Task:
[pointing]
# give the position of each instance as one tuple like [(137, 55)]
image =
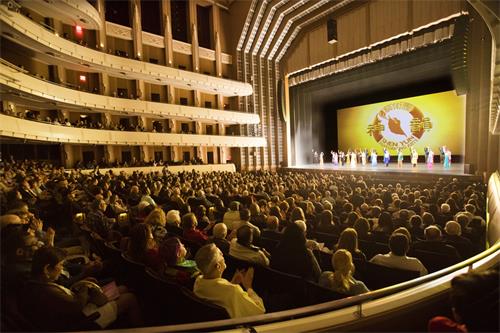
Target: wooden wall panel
[(387, 20), (323, 49), (351, 32), (363, 25), (427, 11), (299, 57)]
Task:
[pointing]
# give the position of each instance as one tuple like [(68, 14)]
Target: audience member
[(212, 287)]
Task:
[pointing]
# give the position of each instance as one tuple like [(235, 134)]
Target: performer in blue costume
[(387, 157)]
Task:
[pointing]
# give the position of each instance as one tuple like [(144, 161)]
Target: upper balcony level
[(17, 83), (72, 12), (32, 130), (28, 33)]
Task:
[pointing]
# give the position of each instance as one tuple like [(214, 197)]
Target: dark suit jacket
[(438, 247)]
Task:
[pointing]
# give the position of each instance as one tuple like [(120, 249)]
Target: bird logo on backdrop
[(399, 125)]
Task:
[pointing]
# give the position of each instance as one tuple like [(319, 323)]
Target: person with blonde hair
[(348, 240), (341, 280), (157, 221)]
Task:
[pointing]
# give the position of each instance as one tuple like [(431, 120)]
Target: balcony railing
[(23, 30), (40, 131), (21, 81)]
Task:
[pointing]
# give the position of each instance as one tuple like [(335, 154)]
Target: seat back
[(268, 243), (329, 239), (324, 260), (205, 310), (233, 264), (371, 248), (279, 290), (433, 261), (317, 294), (378, 276), (161, 296), (133, 272)]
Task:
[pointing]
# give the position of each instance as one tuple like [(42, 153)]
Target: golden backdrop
[(429, 120)]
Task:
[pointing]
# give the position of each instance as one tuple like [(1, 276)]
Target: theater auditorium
[(250, 165)]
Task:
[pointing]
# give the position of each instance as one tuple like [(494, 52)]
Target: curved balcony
[(22, 30), (16, 81), (32, 130), (71, 12)]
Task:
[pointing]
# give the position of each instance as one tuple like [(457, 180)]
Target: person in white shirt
[(232, 216), (241, 247), (213, 288), (399, 245)]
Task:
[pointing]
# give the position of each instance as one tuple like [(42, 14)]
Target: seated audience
[(218, 237), (51, 306), (348, 240), (454, 238), (342, 281), (191, 233), (232, 215), (142, 246), (177, 267), (272, 229), (434, 243), (242, 248), (173, 222), (244, 220), (212, 287), (293, 257), (399, 245), (157, 221)]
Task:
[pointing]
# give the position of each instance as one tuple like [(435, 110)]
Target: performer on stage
[(348, 157), (400, 158), (374, 158), (354, 159), (426, 153), (363, 157), (442, 152), (447, 158), (321, 158), (414, 157), (430, 158), (341, 158), (335, 158), (387, 157), (315, 157)]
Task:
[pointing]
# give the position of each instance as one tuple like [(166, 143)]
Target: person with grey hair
[(434, 243), (219, 233), (454, 238), (228, 294)]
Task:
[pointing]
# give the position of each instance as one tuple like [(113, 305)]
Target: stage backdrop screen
[(429, 120)]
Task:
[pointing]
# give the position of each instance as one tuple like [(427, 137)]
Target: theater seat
[(378, 276), (317, 294), (280, 291), (433, 261)]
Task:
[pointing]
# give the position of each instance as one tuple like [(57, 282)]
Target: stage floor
[(456, 169)]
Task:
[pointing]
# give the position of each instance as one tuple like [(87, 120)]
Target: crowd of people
[(185, 226)]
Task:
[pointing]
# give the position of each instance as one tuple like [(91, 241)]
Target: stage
[(408, 172)]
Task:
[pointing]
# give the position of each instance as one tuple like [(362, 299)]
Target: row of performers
[(352, 158)]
